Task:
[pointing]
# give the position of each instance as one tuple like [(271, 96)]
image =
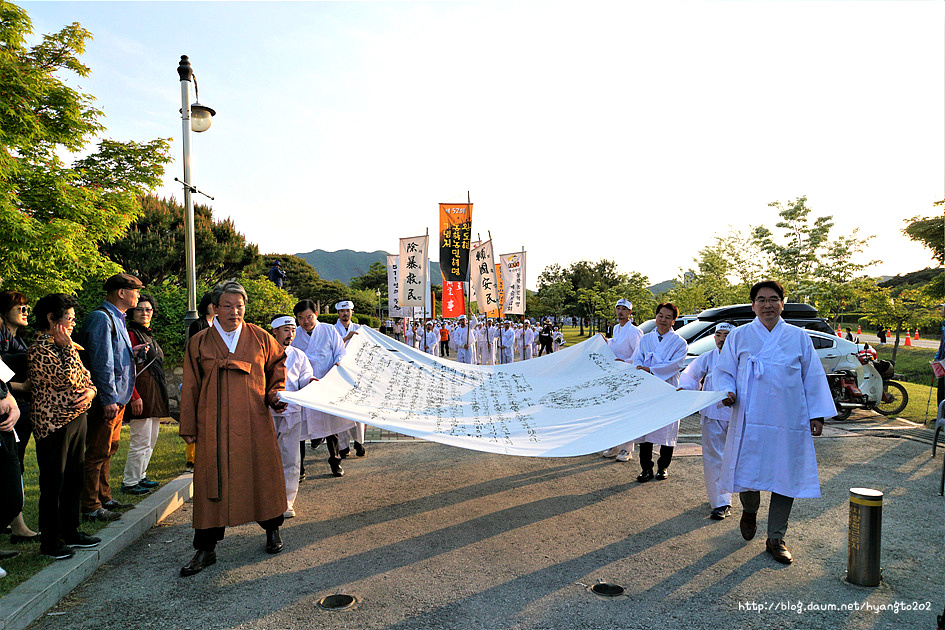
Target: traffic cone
[(908, 339), (859, 329), (916, 334), (888, 333), (839, 334)]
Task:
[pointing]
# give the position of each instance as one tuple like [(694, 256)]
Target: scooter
[(869, 387)]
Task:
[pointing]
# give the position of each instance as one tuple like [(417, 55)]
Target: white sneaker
[(3, 573), (611, 452), (289, 513), (624, 456)]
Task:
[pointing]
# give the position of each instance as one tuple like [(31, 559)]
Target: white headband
[(724, 327), (624, 302), (279, 322), (344, 304)]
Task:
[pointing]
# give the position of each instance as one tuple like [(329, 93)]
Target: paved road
[(428, 536)]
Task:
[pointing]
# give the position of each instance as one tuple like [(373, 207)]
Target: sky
[(633, 131)]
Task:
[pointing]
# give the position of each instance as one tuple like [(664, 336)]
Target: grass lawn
[(167, 462), (911, 362)]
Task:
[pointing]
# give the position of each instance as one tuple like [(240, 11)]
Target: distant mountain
[(345, 264), (662, 287)]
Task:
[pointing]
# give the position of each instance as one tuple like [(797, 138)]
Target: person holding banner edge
[(624, 341)]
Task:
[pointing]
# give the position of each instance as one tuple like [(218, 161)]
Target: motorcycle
[(869, 386)]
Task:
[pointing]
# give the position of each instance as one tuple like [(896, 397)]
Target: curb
[(31, 599)]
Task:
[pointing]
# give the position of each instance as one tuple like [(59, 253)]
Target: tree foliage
[(153, 246), (54, 216)]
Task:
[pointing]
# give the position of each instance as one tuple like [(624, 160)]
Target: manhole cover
[(337, 602), (607, 590)]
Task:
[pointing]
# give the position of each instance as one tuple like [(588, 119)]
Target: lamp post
[(194, 117), (377, 292)]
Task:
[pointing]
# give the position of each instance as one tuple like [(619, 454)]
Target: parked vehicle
[(868, 386), (835, 354)]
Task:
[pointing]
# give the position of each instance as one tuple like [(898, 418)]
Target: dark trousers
[(101, 442), (444, 348), (646, 456), (60, 456), (331, 442), (207, 539), (24, 429), (940, 391)]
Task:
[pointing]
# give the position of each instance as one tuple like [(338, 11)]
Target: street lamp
[(377, 292), (194, 117)]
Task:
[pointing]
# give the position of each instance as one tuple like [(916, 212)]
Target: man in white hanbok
[(461, 342), (715, 419), (288, 422), (430, 340), (322, 344), (779, 396), (662, 353), (483, 345), (348, 329), (624, 341), (526, 338), (506, 343)]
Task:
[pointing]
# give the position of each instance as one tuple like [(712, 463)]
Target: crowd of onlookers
[(70, 391)]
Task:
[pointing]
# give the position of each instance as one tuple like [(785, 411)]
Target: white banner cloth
[(572, 402), (513, 281), (412, 271)]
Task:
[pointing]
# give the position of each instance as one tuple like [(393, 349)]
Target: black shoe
[(661, 474), (359, 449), (102, 515), (301, 477), (135, 489), (16, 540), (59, 553), (336, 468), (189, 467), (112, 504), (273, 541), (645, 476), (775, 546), (316, 442), (344, 452), (748, 525), (201, 560), (4, 555), (720, 513), (148, 483), (81, 539)]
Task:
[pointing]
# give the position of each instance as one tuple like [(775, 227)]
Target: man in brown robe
[(232, 371)]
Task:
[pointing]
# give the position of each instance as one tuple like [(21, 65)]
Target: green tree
[(54, 216), (909, 309), (795, 259), (153, 246), (930, 231), (375, 279), (301, 279)]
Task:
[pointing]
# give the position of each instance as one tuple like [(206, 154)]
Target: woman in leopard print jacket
[(62, 393)]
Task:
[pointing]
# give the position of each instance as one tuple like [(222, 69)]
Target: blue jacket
[(108, 347)]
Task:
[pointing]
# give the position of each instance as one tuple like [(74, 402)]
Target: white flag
[(393, 287), (412, 271), (513, 280), (482, 277)]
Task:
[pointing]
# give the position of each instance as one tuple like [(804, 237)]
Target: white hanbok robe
[(460, 337), (409, 337), (779, 385), (715, 421), (506, 345), (526, 339), (343, 332), (624, 342), (288, 422), (483, 346), (558, 340), (324, 348), (430, 342), (665, 359), (358, 426)]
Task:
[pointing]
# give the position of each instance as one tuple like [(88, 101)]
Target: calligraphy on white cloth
[(573, 402)]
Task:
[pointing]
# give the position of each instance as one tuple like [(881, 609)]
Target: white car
[(835, 353)]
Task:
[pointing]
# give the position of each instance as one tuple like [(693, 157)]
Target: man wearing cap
[(506, 343), (483, 347), (715, 419), (288, 421), (779, 396), (624, 341), (348, 329), (110, 359), (526, 337), (460, 341), (324, 348), (276, 275), (429, 339)]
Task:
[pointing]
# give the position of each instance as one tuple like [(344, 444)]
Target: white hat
[(624, 302), (724, 327), (344, 304), (463, 316), (279, 322)]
